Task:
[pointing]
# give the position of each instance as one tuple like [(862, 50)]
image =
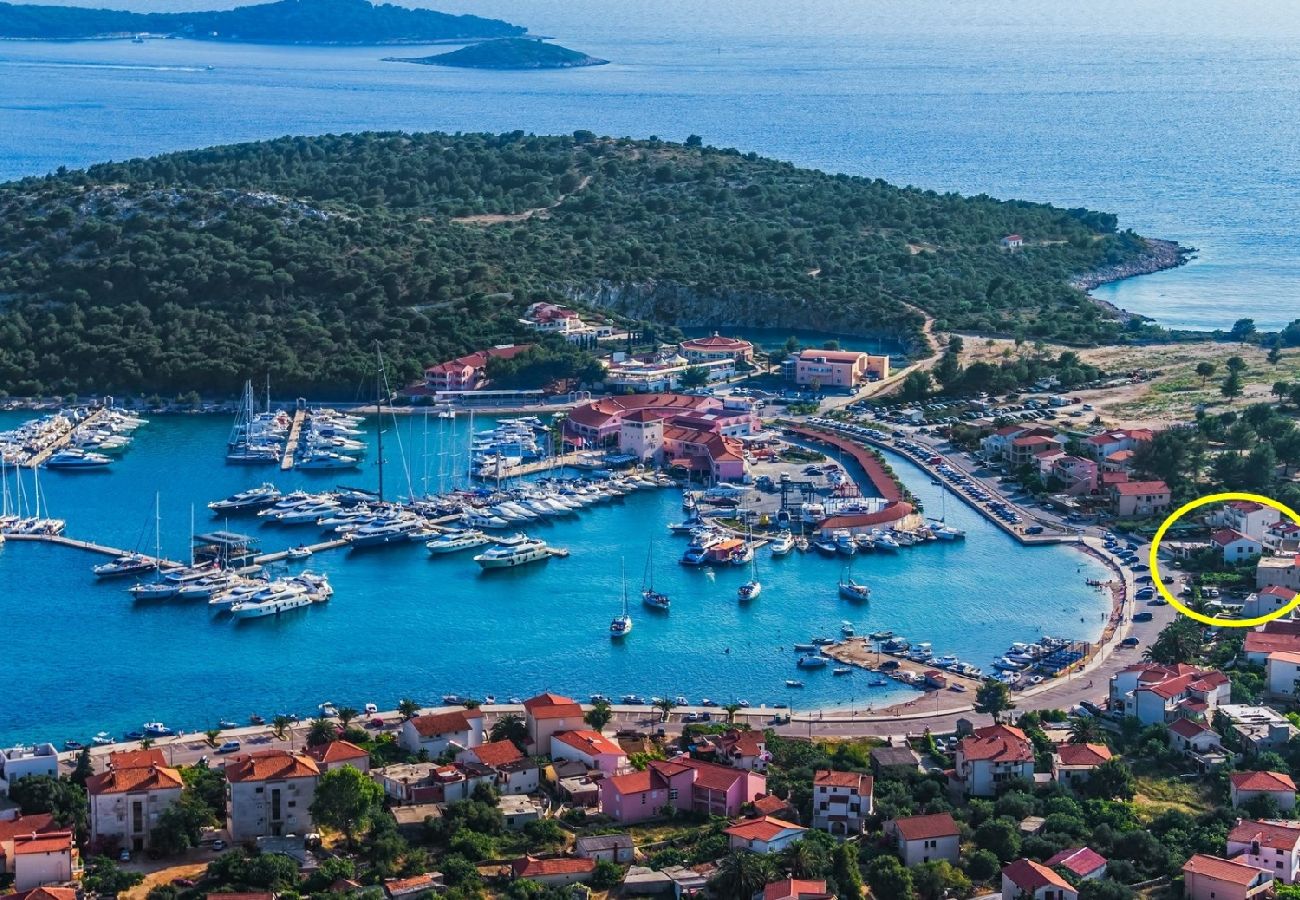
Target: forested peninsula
[(282, 22), (192, 270), (509, 53)]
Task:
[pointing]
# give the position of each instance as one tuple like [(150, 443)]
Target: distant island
[(508, 53), (285, 22)]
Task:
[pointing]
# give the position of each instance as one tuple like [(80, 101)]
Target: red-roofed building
[(842, 801), (772, 805), (1282, 537), (1078, 475), (680, 783), (1073, 764), (862, 523), (765, 835), (743, 749), (1235, 546), (126, 800), (591, 748), (1025, 448), (1154, 694), (45, 893), (38, 823), (1208, 877), (1109, 443), (269, 793), (796, 889), (1083, 863), (923, 839), (1012, 242), (546, 715), (458, 729), (45, 858), (1261, 644), (554, 872), (1197, 741), (429, 882), (468, 373), (714, 347), (990, 756), (1024, 879), (1267, 600), (1248, 517), (340, 753), (1246, 786), (1271, 846), (1139, 498), (515, 773)]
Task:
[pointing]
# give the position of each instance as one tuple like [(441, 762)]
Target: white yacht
[(324, 460), (516, 550), (275, 598), (384, 531), (254, 498), (72, 458), (782, 544), (455, 541)]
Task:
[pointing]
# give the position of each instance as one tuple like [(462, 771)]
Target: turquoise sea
[(404, 624), (1181, 117)]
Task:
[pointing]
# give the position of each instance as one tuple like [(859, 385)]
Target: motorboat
[(155, 729), (324, 460), (479, 519), (793, 683), (455, 541), (846, 629), (845, 543), (813, 661), (274, 599), (302, 551), (516, 550), (254, 498), (782, 544), (805, 648), (842, 670), (71, 458), (102, 739), (383, 532), (881, 635), (129, 564)]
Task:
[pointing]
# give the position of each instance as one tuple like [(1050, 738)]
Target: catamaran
[(621, 624), (649, 596)]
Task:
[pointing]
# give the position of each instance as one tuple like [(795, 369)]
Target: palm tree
[(408, 709), (1084, 731), (471, 703), (742, 874), (321, 731), (731, 710), (280, 726), (146, 743), (211, 735), (512, 727), (346, 714), (599, 715), (665, 706), (800, 860)]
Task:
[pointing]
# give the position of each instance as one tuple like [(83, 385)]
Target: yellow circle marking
[(1196, 504)]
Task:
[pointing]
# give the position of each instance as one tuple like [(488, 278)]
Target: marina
[(703, 642)]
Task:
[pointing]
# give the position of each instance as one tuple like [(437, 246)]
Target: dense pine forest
[(195, 270)]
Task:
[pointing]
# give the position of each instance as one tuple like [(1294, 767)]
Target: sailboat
[(622, 624), (649, 596), (159, 588), (851, 590), (752, 588), (940, 527)]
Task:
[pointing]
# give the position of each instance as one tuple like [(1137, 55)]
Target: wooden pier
[(39, 457), (291, 445), (530, 468), (860, 652), (89, 546)]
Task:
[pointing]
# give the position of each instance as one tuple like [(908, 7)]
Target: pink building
[(591, 748), (1079, 475), (682, 783), (466, 373), (838, 368), (715, 347)]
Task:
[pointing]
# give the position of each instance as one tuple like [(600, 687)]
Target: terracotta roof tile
[(496, 753), (1262, 781), (854, 780), (46, 893), (1083, 754), (1079, 861), (37, 823), (1222, 869), (528, 867), (131, 780), (337, 752), (1029, 876), (590, 743), (918, 828), (997, 743), (763, 829), (134, 759), (271, 765), (438, 724), (50, 842), (1274, 835), (795, 889)]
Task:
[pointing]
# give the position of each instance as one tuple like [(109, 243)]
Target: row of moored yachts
[(86, 438)]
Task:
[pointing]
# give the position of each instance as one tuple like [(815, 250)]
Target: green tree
[(846, 873), (84, 768), (887, 877), (1205, 370), (1106, 889), (212, 737), (665, 706), (916, 386), (939, 879), (105, 877), (321, 732), (606, 875), (694, 377), (599, 715), (346, 800), (1232, 386), (1001, 837), (280, 726), (1235, 364), (1112, 780), (510, 727), (60, 797), (741, 874), (993, 698), (1243, 329), (1178, 642), (1084, 730), (180, 826), (408, 709), (347, 715), (982, 865)]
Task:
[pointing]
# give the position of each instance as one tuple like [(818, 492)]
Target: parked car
[(1129, 642), (1142, 617), (231, 746)]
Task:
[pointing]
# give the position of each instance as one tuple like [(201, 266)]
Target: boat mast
[(157, 531), (379, 416)]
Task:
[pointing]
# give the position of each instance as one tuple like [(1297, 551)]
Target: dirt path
[(190, 870), (499, 218)]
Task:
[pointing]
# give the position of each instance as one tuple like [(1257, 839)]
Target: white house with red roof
[(21, 826), (126, 800), (1155, 694), (554, 872), (1197, 741), (923, 839), (1208, 877), (1280, 635), (270, 792), (1024, 879), (1139, 498), (1083, 863), (842, 801), (515, 773), (796, 889), (1267, 600), (1073, 764), (437, 733), (547, 714), (1078, 475), (1025, 447), (990, 756), (40, 859), (716, 347), (997, 444), (1249, 517), (1246, 786), (1234, 546), (1282, 672), (336, 754), (743, 749), (1102, 446), (591, 748), (45, 892), (469, 372), (1271, 846), (1012, 242), (1282, 537), (763, 835), (549, 318)]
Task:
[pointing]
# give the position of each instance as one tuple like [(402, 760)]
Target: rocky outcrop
[(1159, 255), (686, 306)]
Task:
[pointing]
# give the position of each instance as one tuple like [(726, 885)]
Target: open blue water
[(1180, 118), (402, 623)]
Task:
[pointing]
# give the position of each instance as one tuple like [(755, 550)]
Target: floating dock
[(291, 445), (62, 541), (530, 468)]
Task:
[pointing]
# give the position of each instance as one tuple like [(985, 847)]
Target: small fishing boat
[(877, 682), (842, 670), (805, 648), (881, 635), (102, 739), (813, 661), (302, 551), (793, 683), (846, 629)]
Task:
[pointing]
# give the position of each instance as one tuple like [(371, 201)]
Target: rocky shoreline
[(1160, 255)]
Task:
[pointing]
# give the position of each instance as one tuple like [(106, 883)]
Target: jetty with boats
[(82, 438)]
